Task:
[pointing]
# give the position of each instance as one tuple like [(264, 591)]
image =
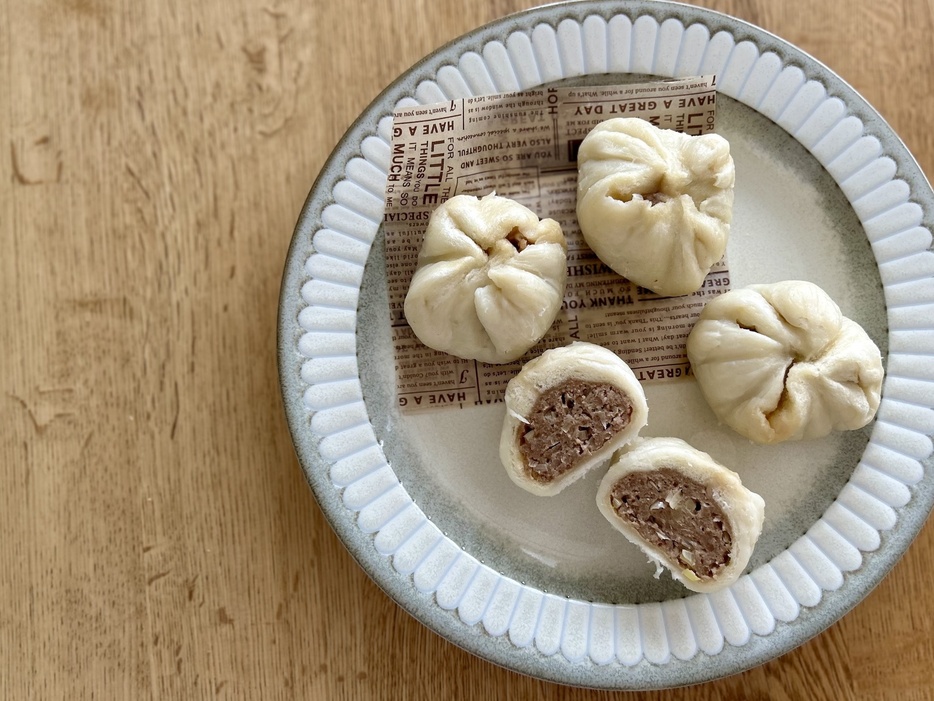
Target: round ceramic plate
[(824, 192)]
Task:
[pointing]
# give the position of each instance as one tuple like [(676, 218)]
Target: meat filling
[(679, 516), (569, 423)]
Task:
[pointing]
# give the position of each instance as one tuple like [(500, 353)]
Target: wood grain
[(159, 539)]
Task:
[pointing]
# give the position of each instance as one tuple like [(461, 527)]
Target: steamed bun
[(780, 362), (686, 511), (490, 279), (566, 412), (654, 204)]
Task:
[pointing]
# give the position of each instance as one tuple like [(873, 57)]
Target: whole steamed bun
[(654, 204), (780, 362), (490, 279)]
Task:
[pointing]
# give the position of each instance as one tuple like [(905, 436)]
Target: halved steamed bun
[(567, 411), (686, 511)]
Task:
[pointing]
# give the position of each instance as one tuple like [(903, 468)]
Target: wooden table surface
[(158, 537)]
